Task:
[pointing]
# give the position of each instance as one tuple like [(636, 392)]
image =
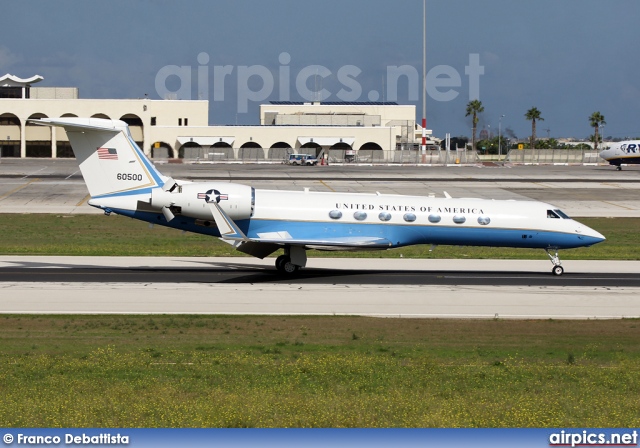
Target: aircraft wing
[(342, 242), (268, 242), (265, 245)]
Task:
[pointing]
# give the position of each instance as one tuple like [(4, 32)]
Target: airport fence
[(381, 157), (333, 156), (553, 156)]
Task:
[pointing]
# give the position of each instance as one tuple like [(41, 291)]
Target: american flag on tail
[(107, 154)]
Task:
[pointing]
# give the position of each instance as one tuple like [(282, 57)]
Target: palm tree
[(595, 121), (474, 108), (533, 114)]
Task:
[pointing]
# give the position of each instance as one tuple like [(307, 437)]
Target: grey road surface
[(448, 289)]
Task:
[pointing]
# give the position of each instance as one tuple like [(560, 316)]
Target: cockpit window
[(561, 213), (552, 214)]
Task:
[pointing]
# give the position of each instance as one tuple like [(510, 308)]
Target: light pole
[(423, 147), (500, 136)]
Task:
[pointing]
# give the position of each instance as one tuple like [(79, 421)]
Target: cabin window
[(484, 220), (360, 216), (563, 215), (459, 219), (409, 217), (384, 216), (552, 214), (434, 218), (335, 214)]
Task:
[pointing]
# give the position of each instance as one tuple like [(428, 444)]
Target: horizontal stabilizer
[(81, 124)]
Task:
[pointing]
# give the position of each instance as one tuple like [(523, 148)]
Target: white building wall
[(380, 126), (387, 113), (166, 113), (267, 136)]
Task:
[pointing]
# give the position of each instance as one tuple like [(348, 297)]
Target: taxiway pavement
[(56, 186)]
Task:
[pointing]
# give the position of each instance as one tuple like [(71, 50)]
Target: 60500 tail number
[(129, 176)]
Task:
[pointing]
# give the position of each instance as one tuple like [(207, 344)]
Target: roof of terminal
[(13, 81)]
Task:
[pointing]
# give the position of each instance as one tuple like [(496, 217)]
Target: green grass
[(239, 371), (35, 234)]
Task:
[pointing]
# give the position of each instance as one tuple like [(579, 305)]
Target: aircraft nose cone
[(589, 232)]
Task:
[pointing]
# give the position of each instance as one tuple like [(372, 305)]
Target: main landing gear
[(294, 258), (557, 264), (284, 265)]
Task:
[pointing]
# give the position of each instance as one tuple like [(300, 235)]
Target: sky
[(568, 58)]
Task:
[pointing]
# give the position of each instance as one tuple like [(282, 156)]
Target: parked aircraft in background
[(258, 222), (622, 152)]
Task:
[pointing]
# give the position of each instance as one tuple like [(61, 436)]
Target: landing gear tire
[(280, 262), (284, 265), (555, 259), (619, 168)]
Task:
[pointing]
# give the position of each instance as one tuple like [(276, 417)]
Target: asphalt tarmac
[(521, 289), (419, 288)]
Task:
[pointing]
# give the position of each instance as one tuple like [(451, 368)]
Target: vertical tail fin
[(110, 161)]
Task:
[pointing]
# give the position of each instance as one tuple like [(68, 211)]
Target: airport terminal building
[(180, 129)]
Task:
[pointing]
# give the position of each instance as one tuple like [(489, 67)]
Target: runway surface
[(377, 287), (245, 272)]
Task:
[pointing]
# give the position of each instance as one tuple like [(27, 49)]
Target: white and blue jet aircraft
[(627, 152), (258, 222)]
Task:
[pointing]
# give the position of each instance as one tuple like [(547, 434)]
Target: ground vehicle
[(301, 159)]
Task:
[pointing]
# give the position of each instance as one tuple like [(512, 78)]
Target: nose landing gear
[(557, 264)]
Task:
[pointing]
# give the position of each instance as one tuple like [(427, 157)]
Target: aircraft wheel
[(289, 268), (280, 261), (557, 270), (619, 168), (284, 265)]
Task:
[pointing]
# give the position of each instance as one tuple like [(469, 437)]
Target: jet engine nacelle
[(194, 200)]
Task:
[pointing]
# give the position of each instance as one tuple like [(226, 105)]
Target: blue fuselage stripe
[(398, 235)]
